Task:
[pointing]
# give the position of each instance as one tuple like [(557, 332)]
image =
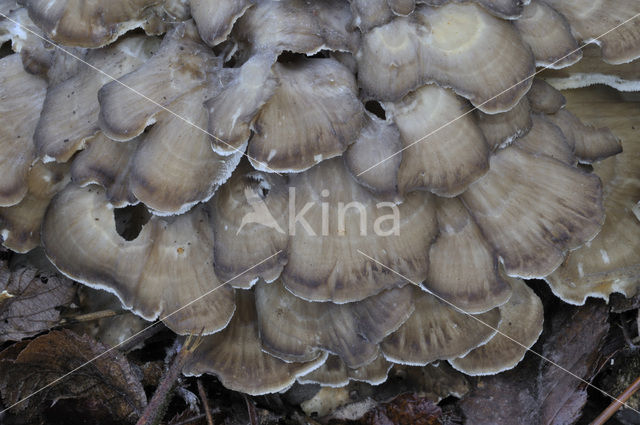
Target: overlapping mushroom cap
[(401, 170)]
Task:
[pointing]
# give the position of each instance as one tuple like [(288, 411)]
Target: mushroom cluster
[(323, 188)]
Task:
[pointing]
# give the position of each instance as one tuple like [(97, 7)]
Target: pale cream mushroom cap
[(20, 223), (437, 331), (215, 18), (463, 268), (293, 329), (69, 116), (521, 320), (549, 36), (235, 356), (443, 149), (324, 262), (335, 373), (594, 20), (533, 208), (168, 265), (22, 96), (313, 115), (609, 263)]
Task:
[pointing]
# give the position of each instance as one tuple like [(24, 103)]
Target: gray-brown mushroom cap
[(332, 218), (533, 208), (502, 129), (437, 331), (463, 268), (215, 18), (313, 115), (89, 23), (22, 96), (450, 45), (547, 138), (443, 149), (521, 320), (69, 116), (20, 223), (544, 98), (335, 373), (297, 330), (236, 358), (592, 21), (167, 266), (549, 36), (609, 263)]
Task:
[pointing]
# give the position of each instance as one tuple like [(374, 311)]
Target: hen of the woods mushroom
[(352, 184)]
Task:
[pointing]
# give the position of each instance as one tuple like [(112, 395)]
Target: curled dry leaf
[(106, 390), (29, 301)]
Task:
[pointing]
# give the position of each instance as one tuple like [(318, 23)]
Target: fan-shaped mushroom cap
[(591, 19), (590, 143), (521, 320), (547, 138), (250, 224), (70, 112), (313, 115), (375, 157), (22, 96), (593, 70), (20, 223), (233, 110), (335, 373), (450, 152), (609, 263), (501, 129), (463, 268), (506, 9), (25, 36), (174, 166), (168, 265), (236, 358), (106, 163), (549, 36), (369, 13), (331, 217), (544, 98), (296, 330), (533, 208), (457, 45), (179, 65), (215, 18), (437, 331), (299, 26), (89, 23)]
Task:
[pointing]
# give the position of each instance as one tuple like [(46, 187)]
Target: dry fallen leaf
[(537, 392), (30, 301), (105, 391)]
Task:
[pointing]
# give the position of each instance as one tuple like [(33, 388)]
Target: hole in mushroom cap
[(5, 49), (130, 219), (375, 108)]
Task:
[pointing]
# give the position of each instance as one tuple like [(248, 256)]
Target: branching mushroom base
[(402, 172)]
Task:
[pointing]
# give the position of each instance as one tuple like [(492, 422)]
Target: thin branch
[(615, 405)]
